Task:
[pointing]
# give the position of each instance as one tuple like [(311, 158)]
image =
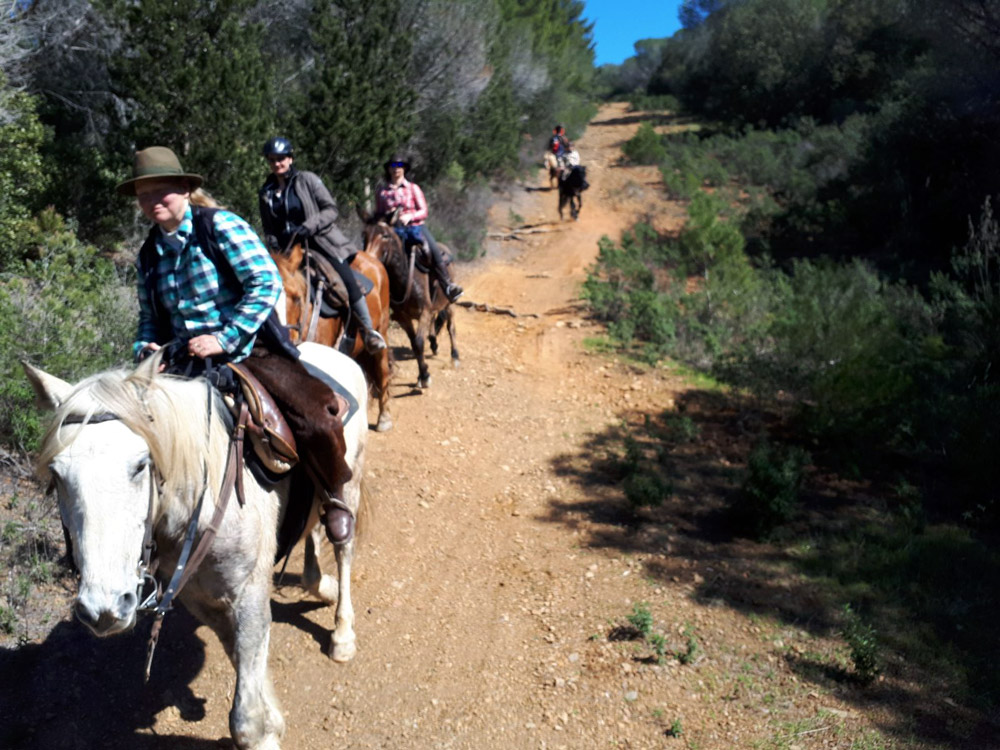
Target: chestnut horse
[(299, 313), (420, 312)]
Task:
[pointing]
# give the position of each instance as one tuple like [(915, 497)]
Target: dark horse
[(307, 325), (419, 306), (572, 183)]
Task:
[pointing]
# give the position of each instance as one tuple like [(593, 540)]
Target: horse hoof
[(384, 423), (456, 362), (424, 382), (342, 652)]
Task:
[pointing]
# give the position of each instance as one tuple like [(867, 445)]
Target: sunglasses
[(395, 164)]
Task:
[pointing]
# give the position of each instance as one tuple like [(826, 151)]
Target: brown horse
[(419, 310), (299, 318)]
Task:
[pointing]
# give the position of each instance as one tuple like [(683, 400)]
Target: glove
[(298, 229), (271, 242)]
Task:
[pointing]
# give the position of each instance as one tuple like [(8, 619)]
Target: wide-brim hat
[(396, 158), (157, 163)]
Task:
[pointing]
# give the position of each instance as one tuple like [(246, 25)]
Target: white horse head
[(107, 435)]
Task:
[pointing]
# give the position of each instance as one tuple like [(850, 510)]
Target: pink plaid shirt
[(408, 195)]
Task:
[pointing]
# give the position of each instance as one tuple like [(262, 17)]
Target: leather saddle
[(424, 261), (270, 435), (323, 278)]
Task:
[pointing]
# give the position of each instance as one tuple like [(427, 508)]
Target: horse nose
[(86, 615), (127, 603), (103, 619)]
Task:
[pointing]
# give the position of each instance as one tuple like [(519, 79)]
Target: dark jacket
[(320, 210)]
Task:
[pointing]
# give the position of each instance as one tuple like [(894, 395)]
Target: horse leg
[(562, 203), (381, 382), (255, 721), (416, 337), (343, 642), (324, 587), (449, 315)]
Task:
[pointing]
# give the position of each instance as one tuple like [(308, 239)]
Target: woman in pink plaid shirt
[(396, 192)]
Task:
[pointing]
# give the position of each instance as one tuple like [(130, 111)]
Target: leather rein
[(156, 602)]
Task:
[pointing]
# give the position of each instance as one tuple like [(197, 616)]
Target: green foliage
[(195, 81), (692, 649), (70, 311), (863, 640), (641, 619), (676, 728), (769, 496), (22, 177), (653, 103), (645, 147), (356, 108)]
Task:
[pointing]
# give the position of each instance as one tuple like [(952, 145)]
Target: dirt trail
[(489, 581)]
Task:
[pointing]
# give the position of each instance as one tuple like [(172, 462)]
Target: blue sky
[(618, 24)]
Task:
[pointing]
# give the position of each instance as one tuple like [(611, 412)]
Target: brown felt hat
[(157, 163)]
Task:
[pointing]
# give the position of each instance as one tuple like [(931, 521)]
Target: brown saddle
[(321, 275), (270, 435)]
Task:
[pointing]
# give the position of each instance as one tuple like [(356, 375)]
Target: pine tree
[(193, 79), (356, 109)]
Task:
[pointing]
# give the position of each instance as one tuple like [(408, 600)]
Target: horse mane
[(169, 413)]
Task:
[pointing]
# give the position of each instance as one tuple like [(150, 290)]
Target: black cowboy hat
[(157, 163), (398, 159)]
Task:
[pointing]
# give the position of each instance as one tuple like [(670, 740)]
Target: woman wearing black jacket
[(297, 203)]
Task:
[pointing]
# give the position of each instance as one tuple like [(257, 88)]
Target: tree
[(190, 76), (357, 106)]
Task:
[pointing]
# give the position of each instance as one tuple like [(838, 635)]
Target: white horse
[(125, 447)]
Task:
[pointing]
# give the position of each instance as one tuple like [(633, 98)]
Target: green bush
[(863, 641), (769, 496), (653, 103), (71, 312), (21, 177), (645, 147)]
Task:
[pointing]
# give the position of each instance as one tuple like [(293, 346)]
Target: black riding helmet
[(279, 146)]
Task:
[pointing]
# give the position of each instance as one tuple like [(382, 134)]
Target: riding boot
[(374, 343), (451, 290), (337, 520)]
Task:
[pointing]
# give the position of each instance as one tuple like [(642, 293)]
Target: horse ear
[(363, 213), (50, 391)]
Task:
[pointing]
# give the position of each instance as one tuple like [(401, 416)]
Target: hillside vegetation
[(840, 273)]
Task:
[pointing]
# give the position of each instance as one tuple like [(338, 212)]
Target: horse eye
[(139, 468)]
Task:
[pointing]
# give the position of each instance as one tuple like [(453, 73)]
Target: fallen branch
[(515, 234), (496, 310)]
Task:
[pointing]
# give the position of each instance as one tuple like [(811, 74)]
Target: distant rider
[(397, 192), (295, 205)]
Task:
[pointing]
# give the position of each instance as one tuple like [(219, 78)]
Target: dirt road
[(494, 569)]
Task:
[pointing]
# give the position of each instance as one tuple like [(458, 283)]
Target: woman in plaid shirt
[(207, 312), (396, 192)]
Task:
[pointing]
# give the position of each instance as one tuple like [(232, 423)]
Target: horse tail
[(365, 515)]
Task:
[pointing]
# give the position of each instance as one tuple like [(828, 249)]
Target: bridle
[(151, 599)]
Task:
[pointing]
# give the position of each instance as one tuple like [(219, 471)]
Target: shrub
[(70, 311), (770, 492), (863, 641), (653, 103), (641, 619), (645, 147)]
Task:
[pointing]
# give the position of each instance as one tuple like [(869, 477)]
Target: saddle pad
[(343, 394)]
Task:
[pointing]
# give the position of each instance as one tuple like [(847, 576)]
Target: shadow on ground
[(689, 540), (75, 691)]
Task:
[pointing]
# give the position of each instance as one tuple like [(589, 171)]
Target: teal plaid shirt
[(195, 296)]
